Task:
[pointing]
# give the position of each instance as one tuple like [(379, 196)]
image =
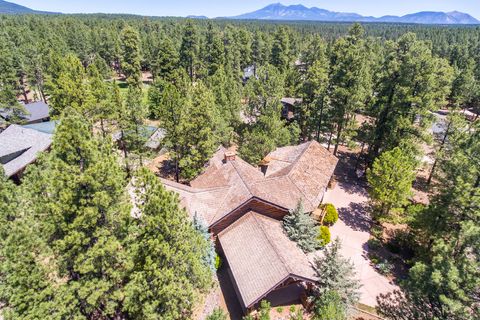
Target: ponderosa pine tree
[(280, 56), (68, 87), (75, 215), (166, 61), (300, 227), (25, 291), (214, 50), (311, 116), (227, 92), (131, 56), (413, 84), (200, 117), (9, 83), (267, 133), (189, 49), (350, 81), (167, 252), (390, 181)]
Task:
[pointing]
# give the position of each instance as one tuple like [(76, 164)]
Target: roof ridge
[(241, 178), (284, 263), (295, 162), (301, 191)]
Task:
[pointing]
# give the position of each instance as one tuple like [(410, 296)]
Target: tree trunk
[(330, 140), (430, 177), (339, 136), (319, 125)]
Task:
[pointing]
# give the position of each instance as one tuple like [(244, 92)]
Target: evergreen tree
[(336, 279), (210, 255), (166, 61), (131, 57), (189, 49), (413, 83), (68, 87), (227, 91), (25, 291), (266, 134), (280, 56), (9, 83), (84, 206), (350, 83), (311, 116), (390, 180), (329, 306), (200, 118), (214, 50), (300, 227), (167, 253)]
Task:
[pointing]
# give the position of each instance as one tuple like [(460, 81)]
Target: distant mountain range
[(278, 11), (13, 8)]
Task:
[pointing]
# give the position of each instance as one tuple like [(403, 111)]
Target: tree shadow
[(356, 216)]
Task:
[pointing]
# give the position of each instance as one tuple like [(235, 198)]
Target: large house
[(244, 206)]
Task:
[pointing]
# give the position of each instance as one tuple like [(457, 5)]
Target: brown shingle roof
[(261, 257), (294, 173)]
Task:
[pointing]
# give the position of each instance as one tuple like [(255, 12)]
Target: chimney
[(264, 164), (230, 156)]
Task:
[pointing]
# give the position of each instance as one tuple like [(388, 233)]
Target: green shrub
[(377, 231), (331, 215), (279, 309), (384, 267), (217, 314), (218, 262), (324, 236), (374, 258), (374, 243)]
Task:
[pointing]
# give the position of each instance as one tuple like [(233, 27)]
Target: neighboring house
[(155, 136), (248, 72), (290, 105), (37, 112), (20, 147), (244, 206)]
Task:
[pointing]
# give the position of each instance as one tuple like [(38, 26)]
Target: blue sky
[(215, 8)]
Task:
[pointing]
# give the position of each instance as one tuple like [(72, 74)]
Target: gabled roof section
[(294, 173), (20, 147), (261, 257)]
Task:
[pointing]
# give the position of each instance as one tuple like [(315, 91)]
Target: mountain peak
[(278, 11), (13, 8)]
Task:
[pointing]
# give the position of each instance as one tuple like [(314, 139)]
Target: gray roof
[(155, 136), (20, 147), (261, 257), (36, 111), (45, 127), (248, 72)]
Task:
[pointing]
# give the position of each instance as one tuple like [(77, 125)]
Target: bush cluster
[(331, 214), (324, 236)]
